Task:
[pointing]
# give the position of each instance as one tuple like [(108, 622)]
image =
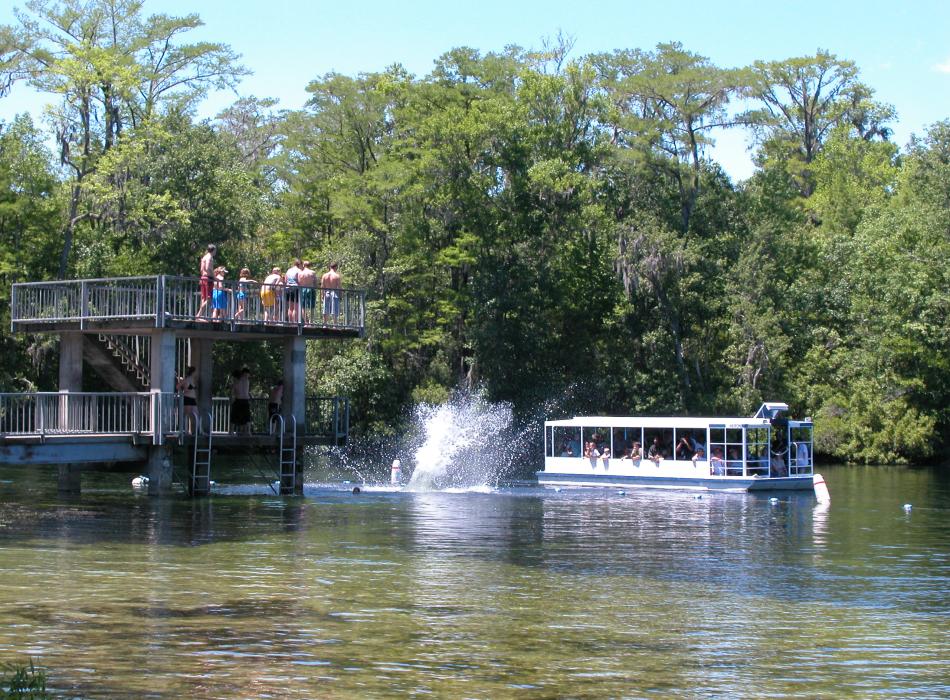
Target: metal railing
[(164, 298), (135, 413), (327, 416), (76, 413), (324, 416)]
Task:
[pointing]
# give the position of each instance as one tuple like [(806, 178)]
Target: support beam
[(159, 470), (201, 358), (75, 452), (70, 362), (295, 391), (163, 380), (162, 367), (295, 380)]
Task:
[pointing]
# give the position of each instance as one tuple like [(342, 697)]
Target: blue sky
[(902, 48)]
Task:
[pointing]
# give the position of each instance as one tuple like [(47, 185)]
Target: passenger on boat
[(700, 455), (592, 453), (734, 462), (717, 467), (634, 454), (801, 455), (655, 453), (684, 448), (778, 464), (605, 457)]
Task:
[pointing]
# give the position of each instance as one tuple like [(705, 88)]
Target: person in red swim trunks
[(207, 281)]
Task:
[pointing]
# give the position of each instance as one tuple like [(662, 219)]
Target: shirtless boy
[(206, 283), (307, 279), (330, 285)]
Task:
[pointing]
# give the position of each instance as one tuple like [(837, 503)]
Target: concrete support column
[(163, 361), (159, 470), (295, 389), (70, 362), (201, 358), (295, 392), (163, 381), (69, 481)]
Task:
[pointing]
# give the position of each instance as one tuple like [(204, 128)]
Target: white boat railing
[(164, 298)]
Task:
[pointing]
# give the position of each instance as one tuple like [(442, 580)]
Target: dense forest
[(545, 228)]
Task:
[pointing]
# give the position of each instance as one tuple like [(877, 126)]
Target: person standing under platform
[(241, 401), (206, 282), (330, 285), (187, 386), (274, 399), (307, 279)]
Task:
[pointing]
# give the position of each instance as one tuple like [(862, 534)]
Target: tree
[(803, 100), (114, 69), (29, 212), (667, 102)]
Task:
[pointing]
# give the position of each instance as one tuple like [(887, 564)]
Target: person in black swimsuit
[(187, 386)]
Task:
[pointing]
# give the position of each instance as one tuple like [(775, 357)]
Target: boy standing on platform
[(205, 272), (330, 285)]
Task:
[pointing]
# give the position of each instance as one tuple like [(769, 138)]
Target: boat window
[(624, 439), (595, 439), (658, 438), (757, 451), (800, 446), (726, 446), (688, 441), (566, 442)]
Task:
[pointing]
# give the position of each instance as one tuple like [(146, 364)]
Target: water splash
[(463, 444)]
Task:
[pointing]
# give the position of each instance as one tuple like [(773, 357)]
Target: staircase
[(121, 361)]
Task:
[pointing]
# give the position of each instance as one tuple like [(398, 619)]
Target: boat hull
[(721, 483)]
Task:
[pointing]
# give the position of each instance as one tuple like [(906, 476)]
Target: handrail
[(40, 414), (173, 297)]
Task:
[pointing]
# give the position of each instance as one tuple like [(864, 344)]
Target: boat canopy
[(658, 421), (770, 410)]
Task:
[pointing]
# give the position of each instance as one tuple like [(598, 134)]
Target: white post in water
[(396, 474), (821, 490)]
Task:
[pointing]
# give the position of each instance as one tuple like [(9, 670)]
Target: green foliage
[(22, 682), (549, 229)]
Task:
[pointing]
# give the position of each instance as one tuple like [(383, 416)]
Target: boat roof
[(656, 421)]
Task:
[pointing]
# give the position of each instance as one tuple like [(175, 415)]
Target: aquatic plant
[(23, 682)]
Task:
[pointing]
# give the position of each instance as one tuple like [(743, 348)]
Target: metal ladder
[(287, 456), (201, 461)]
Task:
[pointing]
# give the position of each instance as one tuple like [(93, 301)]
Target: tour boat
[(766, 452)]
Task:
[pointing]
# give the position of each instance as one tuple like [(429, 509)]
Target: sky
[(901, 46)]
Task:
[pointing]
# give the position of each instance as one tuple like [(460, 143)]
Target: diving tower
[(138, 334)]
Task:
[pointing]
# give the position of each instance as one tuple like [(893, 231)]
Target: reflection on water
[(484, 593)]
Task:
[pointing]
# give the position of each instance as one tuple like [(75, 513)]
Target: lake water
[(521, 592)]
